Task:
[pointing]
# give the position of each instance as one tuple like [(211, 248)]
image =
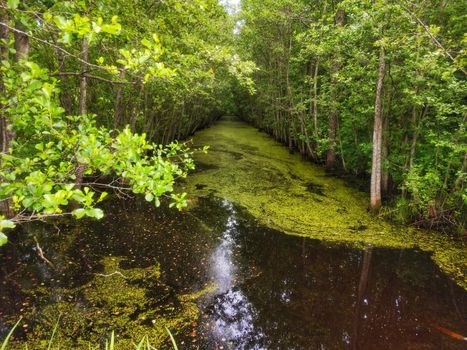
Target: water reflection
[(231, 314), (222, 267), (274, 291)]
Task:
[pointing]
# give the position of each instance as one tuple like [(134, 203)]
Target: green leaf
[(12, 4), (102, 197), (3, 239), (6, 224), (98, 213), (79, 213)]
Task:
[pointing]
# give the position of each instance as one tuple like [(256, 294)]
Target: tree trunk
[(4, 52), (22, 53), (375, 201), (332, 120), (80, 167), (136, 109), (65, 97), (21, 45), (82, 79), (5, 207), (315, 98), (118, 103), (385, 156)]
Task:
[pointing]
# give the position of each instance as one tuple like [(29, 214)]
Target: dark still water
[(258, 288)]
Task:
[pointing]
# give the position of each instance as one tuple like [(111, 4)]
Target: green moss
[(133, 303), (286, 193)]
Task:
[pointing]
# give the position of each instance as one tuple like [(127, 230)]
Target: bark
[(375, 202), (332, 120), (290, 103), (80, 167), (4, 33), (118, 103), (83, 79), (8, 132), (4, 55), (21, 45), (22, 53), (315, 98), (136, 109)]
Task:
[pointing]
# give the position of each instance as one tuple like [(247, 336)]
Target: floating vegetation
[(294, 196), (115, 300)]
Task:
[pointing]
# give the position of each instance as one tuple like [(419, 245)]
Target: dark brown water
[(272, 291)]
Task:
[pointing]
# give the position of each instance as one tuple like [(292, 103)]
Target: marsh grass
[(110, 344)]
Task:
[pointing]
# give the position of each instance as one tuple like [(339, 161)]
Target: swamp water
[(223, 275)]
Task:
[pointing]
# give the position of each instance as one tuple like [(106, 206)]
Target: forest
[(371, 88), (151, 148)]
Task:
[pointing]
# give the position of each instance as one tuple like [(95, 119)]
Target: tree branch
[(54, 46), (434, 39), (95, 77), (40, 252)]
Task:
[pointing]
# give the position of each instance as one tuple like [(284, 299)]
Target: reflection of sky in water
[(232, 314)]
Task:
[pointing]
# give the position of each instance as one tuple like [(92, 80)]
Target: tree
[(409, 131), (55, 156)]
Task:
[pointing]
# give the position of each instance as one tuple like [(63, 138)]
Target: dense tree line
[(94, 92), (372, 88)]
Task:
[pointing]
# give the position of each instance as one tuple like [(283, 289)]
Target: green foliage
[(59, 162), (311, 66)]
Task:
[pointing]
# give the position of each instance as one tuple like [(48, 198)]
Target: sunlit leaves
[(4, 224), (40, 168), (12, 4)]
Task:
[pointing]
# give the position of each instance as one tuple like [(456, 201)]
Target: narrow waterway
[(271, 254)]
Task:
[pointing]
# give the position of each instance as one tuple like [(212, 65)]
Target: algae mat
[(289, 194)]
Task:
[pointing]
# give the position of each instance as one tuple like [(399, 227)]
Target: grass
[(110, 344)]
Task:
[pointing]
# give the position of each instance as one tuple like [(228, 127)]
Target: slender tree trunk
[(332, 120), (137, 106), (331, 152), (8, 132), (22, 53), (385, 156), (118, 103), (21, 45), (315, 98), (80, 167), (4, 52), (290, 102), (83, 79), (375, 201), (5, 207)]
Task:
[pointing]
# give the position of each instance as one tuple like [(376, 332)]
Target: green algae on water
[(284, 192), (133, 303)]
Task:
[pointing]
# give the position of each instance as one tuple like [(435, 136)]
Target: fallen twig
[(111, 274), (40, 252)]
